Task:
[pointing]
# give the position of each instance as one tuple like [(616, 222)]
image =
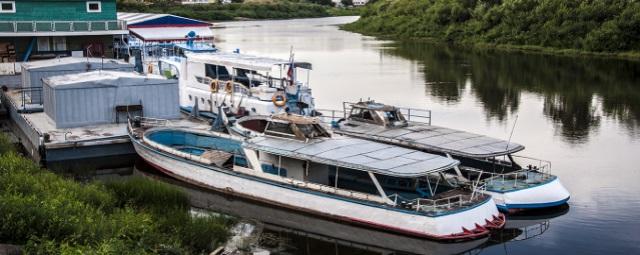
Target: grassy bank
[(276, 9), (49, 214), (555, 26)]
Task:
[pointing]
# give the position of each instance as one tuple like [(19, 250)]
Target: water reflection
[(578, 92)]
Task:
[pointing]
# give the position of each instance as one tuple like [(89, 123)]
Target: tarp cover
[(358, 154), (433, 138)]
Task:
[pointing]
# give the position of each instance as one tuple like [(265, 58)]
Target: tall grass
[(53, 215)]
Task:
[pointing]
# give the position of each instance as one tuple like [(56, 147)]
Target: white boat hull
[(546, 195), (460, 225)]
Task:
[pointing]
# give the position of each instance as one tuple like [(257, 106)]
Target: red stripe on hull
[(465, 235)]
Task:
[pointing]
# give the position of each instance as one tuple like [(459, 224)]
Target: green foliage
[(5, 144), (251, 10), (53, 215), (585, 25)]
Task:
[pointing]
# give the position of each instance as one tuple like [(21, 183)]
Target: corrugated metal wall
[(74, 107)]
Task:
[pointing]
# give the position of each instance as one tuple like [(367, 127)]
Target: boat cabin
[(283, 125), (248, 84), (377, 113)]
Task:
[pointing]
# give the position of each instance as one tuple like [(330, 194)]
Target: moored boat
[(243, 84), (330, 177), (515, 185)]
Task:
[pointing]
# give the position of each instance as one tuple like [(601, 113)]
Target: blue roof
[(170, 20)]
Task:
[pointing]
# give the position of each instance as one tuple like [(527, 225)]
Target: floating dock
[(85, 134)]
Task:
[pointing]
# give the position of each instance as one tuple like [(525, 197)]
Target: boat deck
[(433, 138), (517, 181), (71, 143)]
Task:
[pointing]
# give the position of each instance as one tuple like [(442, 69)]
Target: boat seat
[(216, 157)]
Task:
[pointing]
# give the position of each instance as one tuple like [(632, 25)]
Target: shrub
[(602, 26)]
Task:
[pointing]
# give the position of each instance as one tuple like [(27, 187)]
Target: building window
[(59, 43), (43, 44), (7, 6), (94, 6)]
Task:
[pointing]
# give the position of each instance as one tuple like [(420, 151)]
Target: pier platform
[(50, 145)]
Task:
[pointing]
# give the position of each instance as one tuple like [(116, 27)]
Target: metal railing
[(153, 122), (61, 26), (411, 114), (417, 115), (30, 95), (530, 175), (436, 206)]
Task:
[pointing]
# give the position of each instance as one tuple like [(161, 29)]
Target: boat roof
[(243, 61), (296, 119), (371, 105), (429, 137), (354, 153)]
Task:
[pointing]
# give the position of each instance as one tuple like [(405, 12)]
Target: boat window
[(221, 73), (393, 116), (312, 130), (363, 114), (279, 129)]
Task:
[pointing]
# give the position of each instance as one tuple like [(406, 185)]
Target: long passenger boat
[(515, 182), (296, 164)]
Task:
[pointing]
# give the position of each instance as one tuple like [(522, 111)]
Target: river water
[(581, 113)]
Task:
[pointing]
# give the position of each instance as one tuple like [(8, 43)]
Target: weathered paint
[(292, 197)]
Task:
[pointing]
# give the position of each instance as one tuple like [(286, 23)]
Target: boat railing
[(154, 122), (436, 206), (417, 115), (522, 178), (329, 116), (410, 114)]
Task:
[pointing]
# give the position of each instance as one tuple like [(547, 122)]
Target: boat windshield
[(311, 131), (301, 131), (393, 116)]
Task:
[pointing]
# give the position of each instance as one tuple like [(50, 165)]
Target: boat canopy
[(384, 122), (244, 61), (428, 137), (357, 154)]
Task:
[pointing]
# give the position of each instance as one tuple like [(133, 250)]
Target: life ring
[(214, 86), (150, 68), (228, 87), (279, 99)]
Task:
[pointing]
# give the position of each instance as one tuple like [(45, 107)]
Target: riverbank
[(277, 9), (48, 214), (552, 27)]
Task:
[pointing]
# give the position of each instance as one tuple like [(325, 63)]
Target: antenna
[(512, 129)]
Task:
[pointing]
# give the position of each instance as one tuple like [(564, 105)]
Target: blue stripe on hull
[(507, 207)]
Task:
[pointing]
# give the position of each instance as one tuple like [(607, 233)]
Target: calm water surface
[(583, 114)]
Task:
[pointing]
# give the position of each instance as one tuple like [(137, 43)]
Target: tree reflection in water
[(578, 92)]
